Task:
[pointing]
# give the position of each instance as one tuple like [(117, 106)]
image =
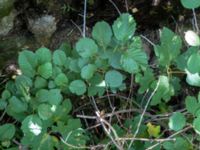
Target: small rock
[(43, 28), (6, 23)]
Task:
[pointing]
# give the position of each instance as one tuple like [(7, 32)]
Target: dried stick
[(195, 20), (84, 17)]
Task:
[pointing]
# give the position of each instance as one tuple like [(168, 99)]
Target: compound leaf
[(169, 48)]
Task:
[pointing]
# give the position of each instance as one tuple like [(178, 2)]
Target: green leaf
[(3, 104), (44, 111), (129, 64), (165, 91), (192, 79), (17, 105), (113, 79), (77, 87), (42, 95), (153, 130), (73, 128), (7, 131), (73, 65), (88, 71), (177, 121), (169, 48), (43, 55), (27, 61), (40, 82), (96, 86), (179, 143), (59, 58), (66, 47), (32, 126), (62, 111), (134, 57), (124, 27), (102, 33), (86, 47), (145, 80), (6, 94), (45, 70), (47, 142), (114, 59), (182, 59), (193, 64), (54, 97), (23, 86), (83, 62), (196, 124), (61, 80), (190, 4), (191, 104)]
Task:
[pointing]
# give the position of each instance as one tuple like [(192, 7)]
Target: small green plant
[(39, 101)]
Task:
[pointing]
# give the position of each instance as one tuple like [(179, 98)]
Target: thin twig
[(195, 20), (3, 114), (144, 37), (77, 27), (126, 3), (103, 122), (113, 113), (146, 139), (84, 17), (143, 113), (115, 6), (73, 146)]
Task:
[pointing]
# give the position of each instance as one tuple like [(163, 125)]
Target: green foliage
[(99, 69)]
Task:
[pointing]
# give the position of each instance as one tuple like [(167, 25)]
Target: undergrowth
[(105, 93)]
